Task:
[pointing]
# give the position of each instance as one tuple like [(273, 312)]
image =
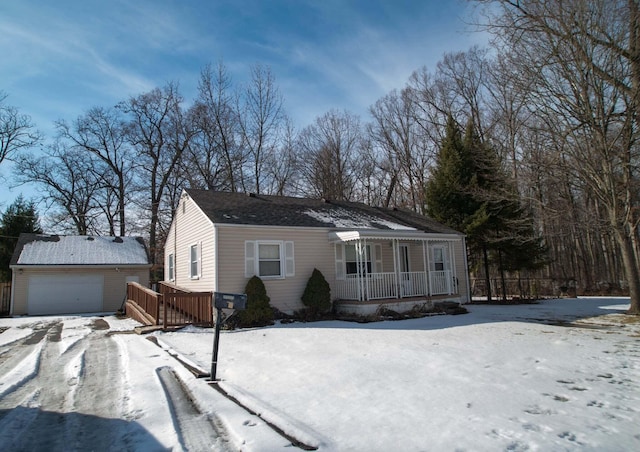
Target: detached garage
[(55, 274)]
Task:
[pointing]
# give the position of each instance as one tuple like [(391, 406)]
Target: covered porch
[(395, 265)]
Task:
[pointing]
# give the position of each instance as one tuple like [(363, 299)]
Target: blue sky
[(63, 57)]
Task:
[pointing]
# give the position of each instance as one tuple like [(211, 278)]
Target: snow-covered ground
[(559, 375)]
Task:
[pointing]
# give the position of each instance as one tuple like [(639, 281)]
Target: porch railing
[(413, 284), (442, 283), (375, 286)]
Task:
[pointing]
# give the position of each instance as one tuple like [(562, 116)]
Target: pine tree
[(21, 216), (447, 191), (469, 191)]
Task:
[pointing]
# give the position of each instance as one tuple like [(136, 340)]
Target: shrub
[(317, 295), (259, 311)]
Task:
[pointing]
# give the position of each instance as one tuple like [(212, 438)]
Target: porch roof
[(378, 234)]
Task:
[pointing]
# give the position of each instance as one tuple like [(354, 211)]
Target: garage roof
[(41, 249)]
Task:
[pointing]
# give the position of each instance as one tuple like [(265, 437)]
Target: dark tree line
[(527, 146)]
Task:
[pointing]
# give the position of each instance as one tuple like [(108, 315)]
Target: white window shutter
[(289, 261), (249, 258), (377, 250), (200, 259), (340, 270)]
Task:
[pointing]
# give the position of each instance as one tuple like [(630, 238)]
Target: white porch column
[(358, 248), (453, 266), (366, 277), (427, 265), (395, 250)]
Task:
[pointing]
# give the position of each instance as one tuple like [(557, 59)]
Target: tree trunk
[(632, 272), (485, 258)]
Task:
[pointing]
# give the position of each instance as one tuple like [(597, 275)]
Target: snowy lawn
[(498, 378)]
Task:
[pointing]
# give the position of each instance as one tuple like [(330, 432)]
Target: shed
[(58, 274)]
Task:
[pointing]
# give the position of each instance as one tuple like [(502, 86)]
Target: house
[(57, 274), (370, 256)]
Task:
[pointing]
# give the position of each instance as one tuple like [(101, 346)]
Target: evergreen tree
[(469, 191), (317, 295), (500, 227), (259, 311), (447, 194), (21, 216)]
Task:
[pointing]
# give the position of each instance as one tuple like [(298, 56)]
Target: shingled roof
[(42, 249), (267, 210)]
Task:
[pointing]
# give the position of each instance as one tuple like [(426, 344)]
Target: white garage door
[(64, 294)]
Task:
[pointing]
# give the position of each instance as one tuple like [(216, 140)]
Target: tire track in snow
[(195, 430), (64, 400)]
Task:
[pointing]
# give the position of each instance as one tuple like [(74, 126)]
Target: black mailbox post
[(222, 301)]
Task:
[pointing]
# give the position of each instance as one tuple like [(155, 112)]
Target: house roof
[(41, 249), (266, 210)]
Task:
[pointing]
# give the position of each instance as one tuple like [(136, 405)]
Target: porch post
[(453, 267), (427, 272), (394, 249), (358, 249), (452, 261), (367, 277)]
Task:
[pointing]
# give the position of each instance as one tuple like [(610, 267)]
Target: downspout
[(175, 246), (215, 257)]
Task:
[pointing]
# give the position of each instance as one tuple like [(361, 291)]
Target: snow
[(558, 375), (348, 219), (83, 250)]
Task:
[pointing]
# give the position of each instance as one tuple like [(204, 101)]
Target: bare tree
[(583, 58), (395, 130), (69, 185), (282, 167), (329, 148), (158, 132), (101, 132), (215, 159), (17, 132), (261, 117)]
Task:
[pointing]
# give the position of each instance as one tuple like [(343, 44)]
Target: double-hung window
[(351, 260), (439, 258), (171, 267), (194, 261), (269, 259)]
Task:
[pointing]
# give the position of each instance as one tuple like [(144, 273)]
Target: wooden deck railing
[(143, 304), (183, 307), (172, 306), (5, 298)]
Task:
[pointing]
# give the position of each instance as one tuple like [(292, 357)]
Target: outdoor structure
[(369, 256), (56, 274)]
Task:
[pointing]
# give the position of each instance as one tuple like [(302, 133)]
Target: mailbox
[(235, 301)]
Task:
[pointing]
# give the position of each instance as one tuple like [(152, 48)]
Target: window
[(194, 261), (269, 259), (439, 262), (347, 260), (171, 269), (269, 263), (351, 260)]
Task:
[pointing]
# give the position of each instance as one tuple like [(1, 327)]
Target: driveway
[(88, 383)]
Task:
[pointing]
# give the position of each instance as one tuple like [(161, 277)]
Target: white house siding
[(191, 226), (311, 250), (114, 290)]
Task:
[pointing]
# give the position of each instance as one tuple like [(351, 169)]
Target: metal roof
[(41, 249)]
